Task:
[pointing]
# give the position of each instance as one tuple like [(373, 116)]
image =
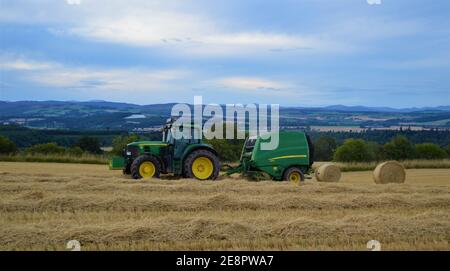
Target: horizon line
[(285, 106)]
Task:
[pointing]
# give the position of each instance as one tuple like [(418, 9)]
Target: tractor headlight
[(128, 153)]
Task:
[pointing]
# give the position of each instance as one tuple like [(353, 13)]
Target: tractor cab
[(174, 154), (170, 136), (175, 142)]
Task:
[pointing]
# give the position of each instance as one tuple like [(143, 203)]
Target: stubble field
[(44, 205)]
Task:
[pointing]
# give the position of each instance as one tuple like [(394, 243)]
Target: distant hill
[(113, 115), (344, 108), (33, 107)]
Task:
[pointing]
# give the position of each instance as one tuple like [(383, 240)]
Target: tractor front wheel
[(145, 167), (294, 175), (202, 165)]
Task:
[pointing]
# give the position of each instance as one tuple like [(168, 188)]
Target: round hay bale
[(328, 173), (389, 172)]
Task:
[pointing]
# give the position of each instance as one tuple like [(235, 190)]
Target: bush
[(74, 151), (429, 151), (48, 148), (324, 148), (399, 148), (447, 149), (89, 144), (59, 158), (7, 146), (375, 151), (120, 142), (353, 150)]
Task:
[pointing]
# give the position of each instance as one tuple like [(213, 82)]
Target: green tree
[(120, 142), (89, 144), (324, 148), (353, 150), (429, 151), (74, 151), (375, 150), (399, 148), (447, 149), (7, 146), (47, 148)]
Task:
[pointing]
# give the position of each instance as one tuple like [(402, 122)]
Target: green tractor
[(290, 161), (190, 158)]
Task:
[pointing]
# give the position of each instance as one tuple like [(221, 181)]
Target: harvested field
[(44, 205)]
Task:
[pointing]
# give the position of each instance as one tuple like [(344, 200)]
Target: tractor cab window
[(250, 143), (195, 131), (169, 136)]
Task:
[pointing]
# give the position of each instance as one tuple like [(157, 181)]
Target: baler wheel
[(294, 175)]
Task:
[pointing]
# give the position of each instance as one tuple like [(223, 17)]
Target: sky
[(290, 52)]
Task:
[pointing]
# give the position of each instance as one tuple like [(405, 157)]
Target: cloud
[(411, 64), (251, 83), (265, 41), (25, 65), (145, 29), (374, 2), (73, 2), (178, 27), (188, 29), (195, 35), (174, 28), (126, 80)]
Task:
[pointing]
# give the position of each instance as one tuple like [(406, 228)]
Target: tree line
[(327, 148), (83, 145), (359, 150), (439, 137)]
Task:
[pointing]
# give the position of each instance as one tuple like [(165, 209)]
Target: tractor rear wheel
[(202, 165), (145, 167), (294, 175)]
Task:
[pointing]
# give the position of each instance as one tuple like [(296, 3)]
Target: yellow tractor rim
[(147, 170), (202, 168), (295, 177)]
